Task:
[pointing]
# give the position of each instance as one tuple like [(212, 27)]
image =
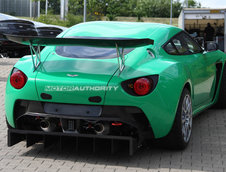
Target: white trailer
[(192, 19)]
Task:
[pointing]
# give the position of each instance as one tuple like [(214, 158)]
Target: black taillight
[(18, 79), (140, 86)]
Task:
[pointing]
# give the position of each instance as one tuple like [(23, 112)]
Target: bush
[(55, 20), (72, 20), (111, 17), (93, 17), (51, 19)]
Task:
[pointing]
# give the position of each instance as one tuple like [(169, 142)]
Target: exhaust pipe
[(100, 128), (48, 125)]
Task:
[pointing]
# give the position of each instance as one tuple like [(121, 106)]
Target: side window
[(180, 45), (193, 47), (170, 49)]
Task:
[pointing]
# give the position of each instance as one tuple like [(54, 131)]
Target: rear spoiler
[(104, 42)]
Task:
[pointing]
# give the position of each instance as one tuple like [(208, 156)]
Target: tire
[(180, 134), (221, 102)]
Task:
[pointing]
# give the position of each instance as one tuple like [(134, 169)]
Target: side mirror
[(211, 46)]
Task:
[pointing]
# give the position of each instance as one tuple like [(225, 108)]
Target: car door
[(205, 76), (201, 67)]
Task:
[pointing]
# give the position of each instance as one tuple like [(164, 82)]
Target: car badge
[(70, 75)]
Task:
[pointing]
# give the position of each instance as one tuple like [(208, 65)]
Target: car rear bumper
[(122, 125)]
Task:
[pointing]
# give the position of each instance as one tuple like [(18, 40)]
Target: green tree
[(194, 4), (139, 9), (160, 8), (114, 8), (177, 7), (75, 7), (97, 6), (53, 6)]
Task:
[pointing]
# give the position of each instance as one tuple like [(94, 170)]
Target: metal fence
[(25, 8)]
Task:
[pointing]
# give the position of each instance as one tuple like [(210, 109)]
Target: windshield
[(89, 52)]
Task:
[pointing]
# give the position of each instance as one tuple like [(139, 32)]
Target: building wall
[(18, 7)]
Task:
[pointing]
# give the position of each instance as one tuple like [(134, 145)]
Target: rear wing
[(104, 42)]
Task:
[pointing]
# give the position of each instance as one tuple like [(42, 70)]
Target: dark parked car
[(48, 30), (15, 26)]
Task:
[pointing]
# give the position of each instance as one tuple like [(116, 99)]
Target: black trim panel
[(218, 74), (15, 136)]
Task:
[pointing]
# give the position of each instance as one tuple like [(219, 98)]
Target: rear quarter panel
[(160, 105), (28, 92)]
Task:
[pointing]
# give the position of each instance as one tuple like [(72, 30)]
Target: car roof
[(38, 24), (6, 17), (58, 27), (14, 21), (155, 31)]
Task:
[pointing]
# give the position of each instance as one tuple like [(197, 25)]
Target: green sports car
[(117, 82)]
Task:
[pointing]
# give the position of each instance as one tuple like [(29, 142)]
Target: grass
[(26, 18), (131, 19)]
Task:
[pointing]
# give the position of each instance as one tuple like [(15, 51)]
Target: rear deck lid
[(80, 77)]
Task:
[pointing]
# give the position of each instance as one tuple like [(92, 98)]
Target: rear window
[(89, 52)]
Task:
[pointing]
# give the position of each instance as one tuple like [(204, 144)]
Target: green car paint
[(197, 71)]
